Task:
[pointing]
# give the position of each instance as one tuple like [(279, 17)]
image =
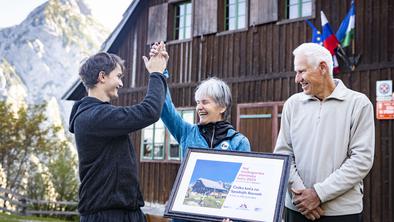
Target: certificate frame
[(216, 184)]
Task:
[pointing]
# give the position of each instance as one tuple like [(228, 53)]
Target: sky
[(224, 171), (107, 12)]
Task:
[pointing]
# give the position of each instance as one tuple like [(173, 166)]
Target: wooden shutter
[(157, 26), (205, 17), (263, 11)]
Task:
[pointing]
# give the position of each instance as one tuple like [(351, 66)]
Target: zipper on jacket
[(213, 135)]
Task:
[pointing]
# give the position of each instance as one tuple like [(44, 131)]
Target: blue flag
[(316, 34)]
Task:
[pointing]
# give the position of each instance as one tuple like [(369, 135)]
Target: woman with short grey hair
[(216, 89), (213, 131)]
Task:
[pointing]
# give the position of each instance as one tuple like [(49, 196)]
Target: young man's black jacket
[(107, 162)]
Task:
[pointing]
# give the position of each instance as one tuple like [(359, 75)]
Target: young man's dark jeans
[(294, 216)]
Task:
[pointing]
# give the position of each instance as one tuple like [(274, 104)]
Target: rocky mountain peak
[(45, 50)]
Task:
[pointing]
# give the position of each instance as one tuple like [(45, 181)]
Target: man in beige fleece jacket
[(329, 131)]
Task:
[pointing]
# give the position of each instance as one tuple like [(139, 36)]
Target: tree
[(63, 173), (29, 146)]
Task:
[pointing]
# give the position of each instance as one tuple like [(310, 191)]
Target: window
[(183, 20), (153, 141), (174, 149), (235, 14), (299, 8), (157, 142)]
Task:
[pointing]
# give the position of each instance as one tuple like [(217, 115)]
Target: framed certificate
[(216, 184)]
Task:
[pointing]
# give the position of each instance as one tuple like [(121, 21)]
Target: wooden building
[(249, 44), (206, 186)]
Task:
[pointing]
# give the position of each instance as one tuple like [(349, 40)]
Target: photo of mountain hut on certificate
[(216, 184)]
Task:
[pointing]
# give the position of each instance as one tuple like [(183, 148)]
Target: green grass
[(14, 218)]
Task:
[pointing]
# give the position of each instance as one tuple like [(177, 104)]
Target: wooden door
[(260, 123)]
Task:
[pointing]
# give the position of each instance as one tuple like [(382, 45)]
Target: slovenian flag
[(330, 41), (345, 32)]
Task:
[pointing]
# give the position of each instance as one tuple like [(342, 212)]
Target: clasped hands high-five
[(158, 58)]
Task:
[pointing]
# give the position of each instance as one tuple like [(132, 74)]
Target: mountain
[(12, 87), (39, 61), (39, 58)]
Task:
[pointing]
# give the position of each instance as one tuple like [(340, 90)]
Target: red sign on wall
[(385, 109)]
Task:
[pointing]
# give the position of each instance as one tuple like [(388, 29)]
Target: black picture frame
[(216, 184)]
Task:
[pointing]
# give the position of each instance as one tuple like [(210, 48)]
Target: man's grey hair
[(216, 89), (315, 54)]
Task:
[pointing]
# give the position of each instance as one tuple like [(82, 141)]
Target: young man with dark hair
[(109, 189)]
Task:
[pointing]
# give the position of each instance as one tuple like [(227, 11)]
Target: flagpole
[(353, 52), (353, 40), (354, 35), (353, 43), (343, 55)]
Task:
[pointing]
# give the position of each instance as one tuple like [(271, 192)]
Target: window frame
[(299, 5), (167, 141), (226, 20), (284, 13), (181, 111), (152, 157), (176, 27)]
